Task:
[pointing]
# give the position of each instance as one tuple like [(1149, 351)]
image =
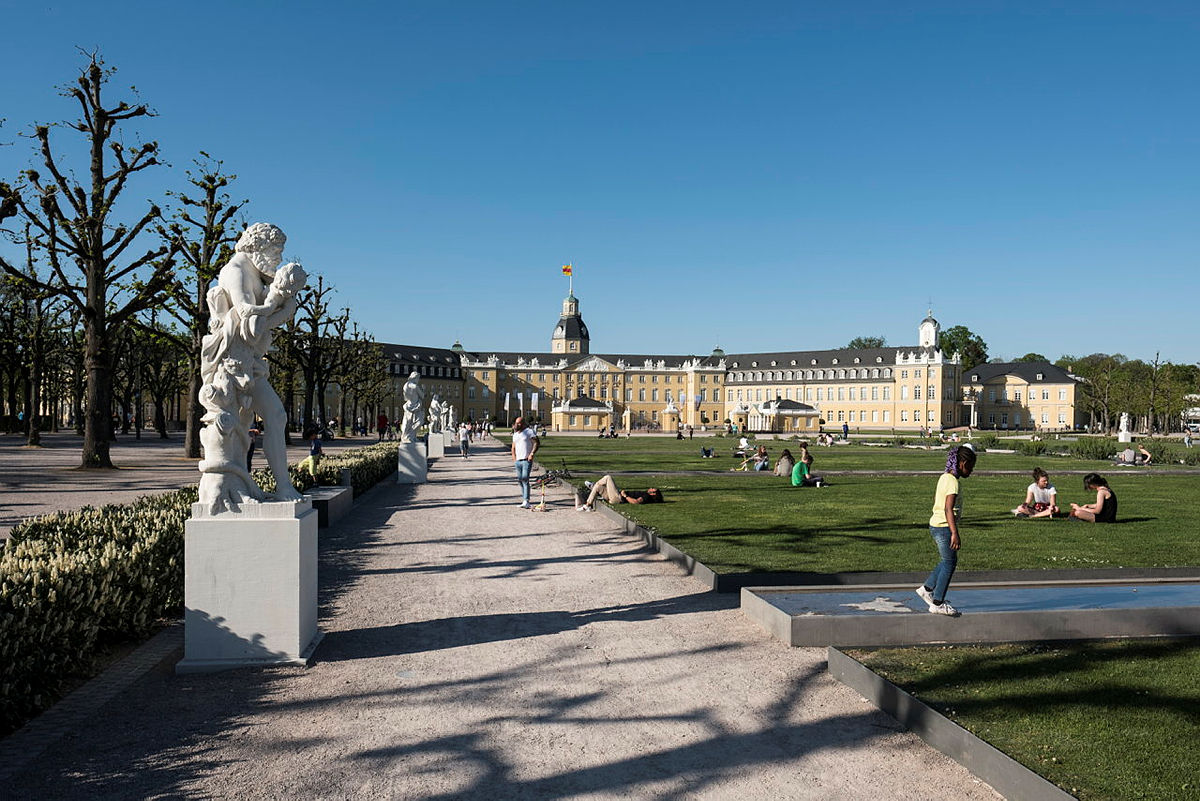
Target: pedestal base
[(250, 587), (450, 439), (1124, 436), (411, 464), (437, 446)]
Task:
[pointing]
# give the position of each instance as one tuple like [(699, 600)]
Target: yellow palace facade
[(907, 388)]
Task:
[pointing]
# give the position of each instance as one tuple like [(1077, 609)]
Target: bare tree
[(203, 232), (74, 219)]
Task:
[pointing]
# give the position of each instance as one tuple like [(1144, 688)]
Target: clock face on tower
[(560, 331)]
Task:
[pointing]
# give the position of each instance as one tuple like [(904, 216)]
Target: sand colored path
[(476, 650)]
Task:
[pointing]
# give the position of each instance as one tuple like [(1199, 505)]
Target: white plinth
[(450, 439), (437, 446), (250, 587), (1124, 436), (411, 464)]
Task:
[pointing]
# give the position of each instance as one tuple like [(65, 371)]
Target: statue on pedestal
[(251, 296), (414, 414), (451, 418), (1124, 429), (435, 414)]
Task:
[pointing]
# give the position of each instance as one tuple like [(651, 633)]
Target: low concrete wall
[(1007, 776), (331, 503)]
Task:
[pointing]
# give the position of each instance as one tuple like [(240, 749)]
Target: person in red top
[(381, 425)]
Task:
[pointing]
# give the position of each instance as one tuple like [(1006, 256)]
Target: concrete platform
[(894, 615), (331, 503)]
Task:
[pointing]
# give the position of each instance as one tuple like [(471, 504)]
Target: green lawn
[(590, 455), (759, 523), (1103, 720), (747, 522)]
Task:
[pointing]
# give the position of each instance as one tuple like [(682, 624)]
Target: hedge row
[(72, 580)]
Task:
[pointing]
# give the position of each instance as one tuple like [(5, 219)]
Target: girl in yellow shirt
[(943, 527)]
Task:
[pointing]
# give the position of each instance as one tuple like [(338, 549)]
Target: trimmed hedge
[(72, 580)]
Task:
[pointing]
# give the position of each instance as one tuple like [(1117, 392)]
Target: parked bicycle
[(552, 478)]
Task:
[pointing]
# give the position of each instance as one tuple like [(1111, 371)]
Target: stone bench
[(331, 503)]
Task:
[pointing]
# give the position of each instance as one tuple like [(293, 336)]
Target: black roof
[(1029, 371), (548, 360), (573, 326), (797, 359), (418, 354), (585, 402)]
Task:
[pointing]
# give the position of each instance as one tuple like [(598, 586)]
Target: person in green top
[(802, 471), (943, 527)]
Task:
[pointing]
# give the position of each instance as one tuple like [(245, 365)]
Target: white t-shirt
[(1040, 495), (523, 443), (464, 432)]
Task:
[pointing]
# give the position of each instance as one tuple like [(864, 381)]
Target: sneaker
[(944, 608), (584, 508), (588, 485), (925, 595), (525, 505), (1022, 514)]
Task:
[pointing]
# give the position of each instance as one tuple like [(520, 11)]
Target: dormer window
[(1040, 376), (835, 361), (754, 364), (814, 361), (773, 362), (879, 360), (793, 362), (974, 379), (856, 360)]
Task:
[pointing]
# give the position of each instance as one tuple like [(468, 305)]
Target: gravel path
[(477, 650)]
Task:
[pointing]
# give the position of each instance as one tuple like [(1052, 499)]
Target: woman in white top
[(1041, 499)]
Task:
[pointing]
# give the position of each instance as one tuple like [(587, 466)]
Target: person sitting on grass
[(614, 494), (706, 453), (1040, 497), (758, 460), (743, 448), (802, 473), (1104, 509), (784, 464)]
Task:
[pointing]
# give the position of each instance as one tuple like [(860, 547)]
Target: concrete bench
[(331, 503)]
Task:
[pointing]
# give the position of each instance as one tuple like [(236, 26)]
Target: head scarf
[(952, 461)]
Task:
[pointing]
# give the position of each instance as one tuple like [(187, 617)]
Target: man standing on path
[(524, 445)]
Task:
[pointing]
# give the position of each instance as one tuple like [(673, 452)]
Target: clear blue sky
[(763, 175)]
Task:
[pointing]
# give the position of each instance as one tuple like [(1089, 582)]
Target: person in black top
[(1104, 510)]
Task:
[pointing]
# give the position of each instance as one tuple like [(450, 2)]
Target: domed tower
[(929, 332), (570, 335)]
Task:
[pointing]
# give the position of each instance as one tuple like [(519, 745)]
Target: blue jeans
[(523, 468), (939, 580)]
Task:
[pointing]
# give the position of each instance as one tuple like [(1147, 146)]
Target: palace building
[(570, 388)]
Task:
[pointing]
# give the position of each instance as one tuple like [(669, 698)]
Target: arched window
[(887, 372)]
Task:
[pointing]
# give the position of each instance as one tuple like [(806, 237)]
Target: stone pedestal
[(250, 587), (437, 447), (450, 439), (1124, 436), (411, 464)]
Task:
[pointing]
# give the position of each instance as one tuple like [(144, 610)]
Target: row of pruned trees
[(1155, 394), (105, 308)]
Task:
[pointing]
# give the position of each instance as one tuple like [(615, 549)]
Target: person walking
[(944, 528), (464, 439), (524, 445), (381, 424)]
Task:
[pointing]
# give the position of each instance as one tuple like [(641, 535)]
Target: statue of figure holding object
[(252, 296)]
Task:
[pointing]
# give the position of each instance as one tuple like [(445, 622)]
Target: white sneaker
[(584, 508), (926, 595), (588, 484), (525, 505), (944, 608)]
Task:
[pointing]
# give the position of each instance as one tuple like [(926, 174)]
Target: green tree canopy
[(866, 342), (1032, 357), (970, 346)]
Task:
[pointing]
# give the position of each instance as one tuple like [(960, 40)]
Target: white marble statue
[(1124, 429), (671, 407), (436, 411), (251, 296), (451, 417), (414, 411)]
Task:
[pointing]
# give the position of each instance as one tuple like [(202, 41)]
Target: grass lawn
[(592, 455), (1103, 720), (758, 523)]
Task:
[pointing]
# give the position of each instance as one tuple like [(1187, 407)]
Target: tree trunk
[(160, 417), (34, 437), (191, 439), (97, 428)]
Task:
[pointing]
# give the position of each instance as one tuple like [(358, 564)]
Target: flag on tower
[(566, 269)]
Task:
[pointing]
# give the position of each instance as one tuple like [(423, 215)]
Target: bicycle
[(552, 478)]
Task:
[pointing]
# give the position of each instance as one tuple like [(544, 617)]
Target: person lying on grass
[(614, 494), (1104, 509), (1041, 499)]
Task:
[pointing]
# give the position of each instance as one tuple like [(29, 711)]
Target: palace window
[(887, 395), (874, 393), (887, 415), (904, 392), (917, 392), (654, 395), (852, 393), (641, 394), (1062, 394), (903, 415)]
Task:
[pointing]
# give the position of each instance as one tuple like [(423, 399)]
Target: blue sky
[(764, 176)]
